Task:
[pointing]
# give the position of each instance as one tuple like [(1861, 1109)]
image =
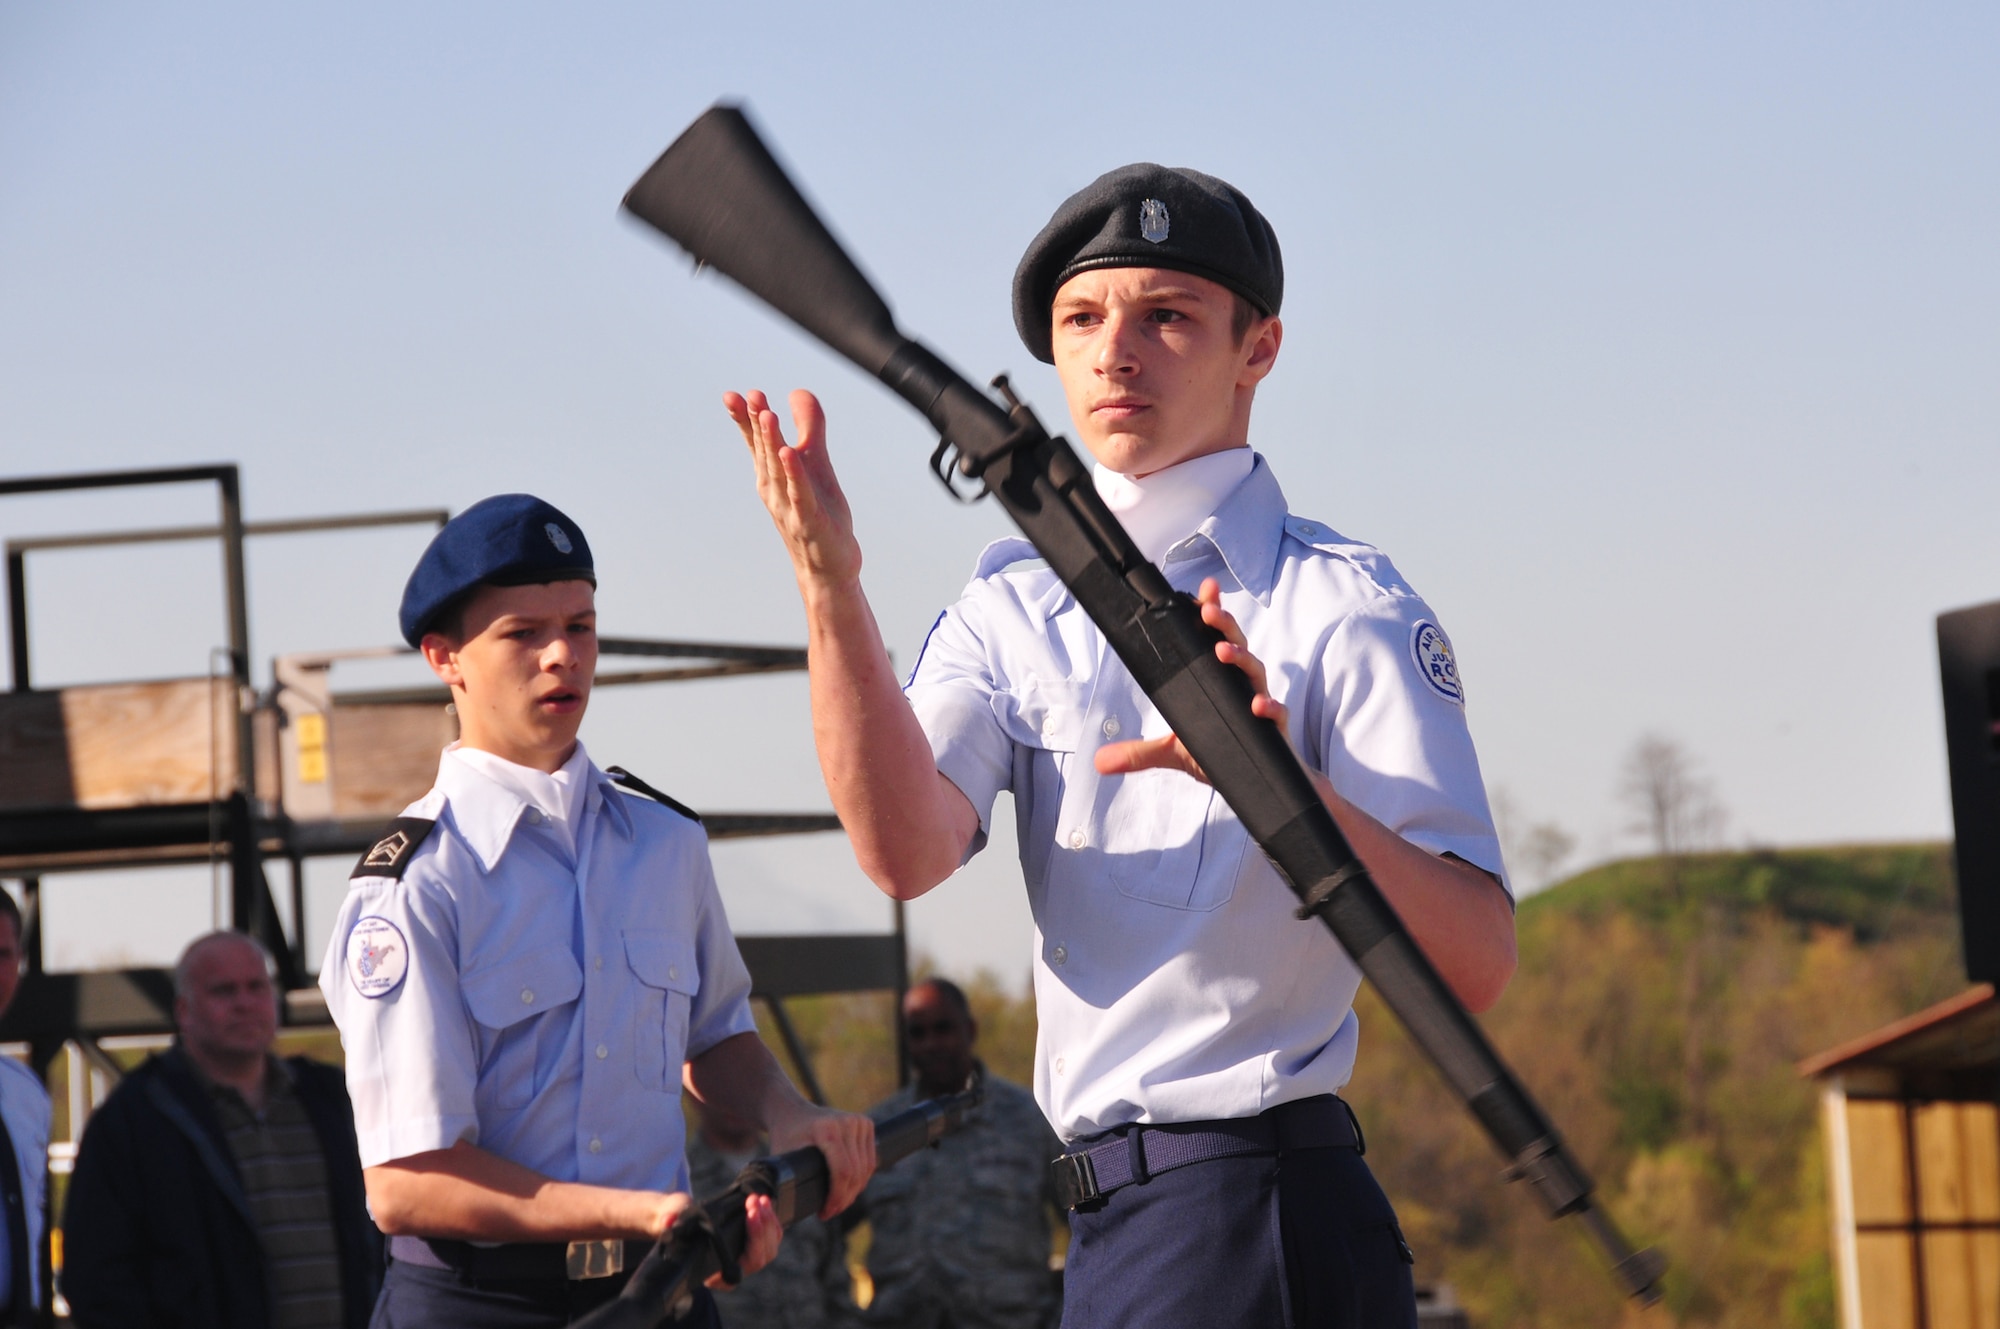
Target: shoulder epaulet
[(391, 854), (1002, 554), (624, 779)]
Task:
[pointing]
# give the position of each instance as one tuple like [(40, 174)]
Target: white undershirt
[(1164, 508), (558, 794)]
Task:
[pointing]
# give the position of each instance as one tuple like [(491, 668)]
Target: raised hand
[(798, 486), (1145, 754)]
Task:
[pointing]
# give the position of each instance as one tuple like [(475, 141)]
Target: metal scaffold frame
[(243, 820)]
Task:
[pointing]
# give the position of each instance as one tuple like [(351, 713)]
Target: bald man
[(219, 1186)]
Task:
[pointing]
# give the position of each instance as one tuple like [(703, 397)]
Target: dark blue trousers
[(417, 1297), (1304, 1240)]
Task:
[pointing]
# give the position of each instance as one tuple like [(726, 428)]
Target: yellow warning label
[(310, 730)]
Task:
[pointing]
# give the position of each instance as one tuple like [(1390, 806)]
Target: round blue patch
[(378, 956), (1431, 649)]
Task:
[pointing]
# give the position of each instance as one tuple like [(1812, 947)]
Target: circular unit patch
[(1432, 651), (378, 956)]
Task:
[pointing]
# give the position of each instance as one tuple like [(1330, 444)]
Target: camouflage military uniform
[(961, 1231), (806, 1287)]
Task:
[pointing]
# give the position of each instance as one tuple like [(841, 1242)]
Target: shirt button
[(527, 996), (534, 816), (1059, 955), (1059, 1065), (602, 1052), (1308, 529), (1111, 727), (596, 1145), (597, 963), (1076, 839), (673, 973)]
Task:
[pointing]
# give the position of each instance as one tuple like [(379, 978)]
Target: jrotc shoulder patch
[(391, 854), (1431, 650), (378, 956)]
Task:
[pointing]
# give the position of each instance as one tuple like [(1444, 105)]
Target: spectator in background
[(961, 1231), (807, 1286), (24, 1159), (219, 1187)]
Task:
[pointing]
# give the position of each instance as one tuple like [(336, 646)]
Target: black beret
[(506, 540), (1147, 216)]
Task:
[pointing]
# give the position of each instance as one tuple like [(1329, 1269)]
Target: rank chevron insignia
[(391, 854)]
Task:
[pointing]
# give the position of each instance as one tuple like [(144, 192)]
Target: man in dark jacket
[(219, 1187)]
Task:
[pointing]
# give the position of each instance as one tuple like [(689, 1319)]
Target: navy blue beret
[(506, 540), (1147, 216)]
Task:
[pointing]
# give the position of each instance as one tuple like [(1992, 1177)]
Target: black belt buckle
[(1076, 1183)]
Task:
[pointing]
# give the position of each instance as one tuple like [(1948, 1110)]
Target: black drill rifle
[(719, 194), (662, 1287)]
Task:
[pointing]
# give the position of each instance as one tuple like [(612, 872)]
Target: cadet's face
[(1152, 368), (940, 1038), (230, 1008), (521, 678)]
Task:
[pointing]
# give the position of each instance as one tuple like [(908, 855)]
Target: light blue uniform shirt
[(1172, 981), (24, 1101), (536, 1003)]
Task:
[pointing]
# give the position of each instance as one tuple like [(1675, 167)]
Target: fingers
[(1146, 754), (667, 1208), (808, 418), (1209, 597), (1234, 649), (760, 435), (848, 1141), (766, 1233)]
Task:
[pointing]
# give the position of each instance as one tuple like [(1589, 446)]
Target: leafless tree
[(1675, 806)]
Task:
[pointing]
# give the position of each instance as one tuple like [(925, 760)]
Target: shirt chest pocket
[(1044, 714), (518, 1049), (1169, 839), (663, 965)]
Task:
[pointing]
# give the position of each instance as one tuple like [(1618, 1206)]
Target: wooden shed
[(1911, 1122)]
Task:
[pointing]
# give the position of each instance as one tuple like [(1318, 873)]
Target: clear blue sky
[(1657, 347)]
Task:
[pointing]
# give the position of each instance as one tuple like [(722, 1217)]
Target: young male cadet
[(1192, 1031), (530, 965)]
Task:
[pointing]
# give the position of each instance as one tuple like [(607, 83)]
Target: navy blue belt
[(522, 1261), (1131, 1155)]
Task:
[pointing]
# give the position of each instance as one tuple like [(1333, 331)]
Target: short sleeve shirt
[(542, 1003), (25, 1104), (1172, 981)]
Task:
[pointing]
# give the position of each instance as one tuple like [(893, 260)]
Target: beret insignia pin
[(558, 537), (1153, 223)]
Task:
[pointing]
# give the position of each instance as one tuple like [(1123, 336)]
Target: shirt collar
[(1247, 530), (486, 811)]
